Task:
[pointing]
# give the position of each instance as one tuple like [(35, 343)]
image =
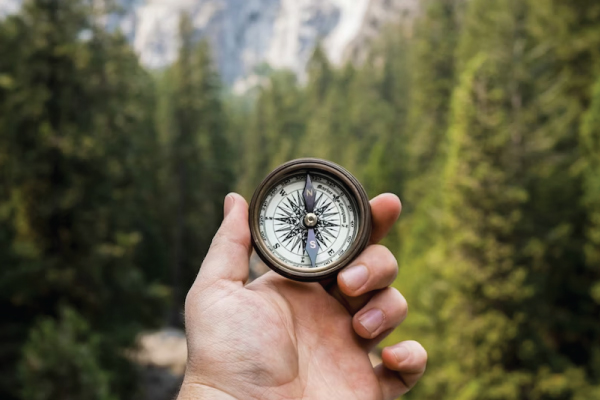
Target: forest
[(483, 117)]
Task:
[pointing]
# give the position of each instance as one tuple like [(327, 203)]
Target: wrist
[(197, 391)]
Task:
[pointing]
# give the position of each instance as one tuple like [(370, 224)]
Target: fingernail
[(372, 320), (355, 277), (228, 205), (401, 352)]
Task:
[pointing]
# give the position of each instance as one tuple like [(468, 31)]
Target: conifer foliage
[(75, 120), (483, 116), (199, 161), (483, 119)]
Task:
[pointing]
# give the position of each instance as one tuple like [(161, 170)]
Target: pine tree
[(320, 76), (48, 376), (432, 70), (378, 115), (200, 161), (70, 105), (590, 143), (517, 309), (590, 149), (433, 77), (322, 97), (275, 130)]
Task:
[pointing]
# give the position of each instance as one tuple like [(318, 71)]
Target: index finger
[(385, 210)]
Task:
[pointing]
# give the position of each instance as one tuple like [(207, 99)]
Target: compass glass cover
[(287, 231)]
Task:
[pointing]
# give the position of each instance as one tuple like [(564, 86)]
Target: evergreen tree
[(329, 100), (275, 130), (200, 161), (432, 72), (378, 114), (517, 315), (590, 142), (70, 103), (321, 101), (46, 374), (320, 76), (433, 68)]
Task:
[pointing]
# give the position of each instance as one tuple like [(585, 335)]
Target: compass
[(309, 218)]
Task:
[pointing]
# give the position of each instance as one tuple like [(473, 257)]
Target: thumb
[(229, 251)]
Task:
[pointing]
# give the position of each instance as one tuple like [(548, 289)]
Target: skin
[(279, 339)]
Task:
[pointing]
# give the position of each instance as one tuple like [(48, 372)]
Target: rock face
[(246, 34), (378, 15), (9, 7)]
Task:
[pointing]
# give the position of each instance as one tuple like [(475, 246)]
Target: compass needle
[(309, 195), (312, 247)]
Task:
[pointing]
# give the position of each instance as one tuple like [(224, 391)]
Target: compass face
[(309, 218), (283, 226)]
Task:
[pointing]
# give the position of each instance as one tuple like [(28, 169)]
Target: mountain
[(379, 13), (245, 34)]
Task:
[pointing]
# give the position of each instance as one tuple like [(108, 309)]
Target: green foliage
[(73, 178), (474, 120), (312, 120), (111, 190), (275, 127), (590, 140), (590, 143), (484, 117), (60, 361), (511, 293), (432, 62)]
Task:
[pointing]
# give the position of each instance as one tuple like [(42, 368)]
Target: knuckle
[(391, 260), (387, 259), (383, 261), (397, 302), (400, 301)]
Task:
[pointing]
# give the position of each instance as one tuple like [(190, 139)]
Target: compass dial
[(284, 229), (309, 218)]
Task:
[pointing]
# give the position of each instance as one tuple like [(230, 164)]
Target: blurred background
[(124, 123)]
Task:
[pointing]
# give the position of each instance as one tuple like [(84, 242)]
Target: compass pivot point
[(310, 220)]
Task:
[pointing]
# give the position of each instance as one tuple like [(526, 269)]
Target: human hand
[(276, 338)]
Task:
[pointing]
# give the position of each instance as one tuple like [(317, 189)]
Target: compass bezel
[(323, 167)]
